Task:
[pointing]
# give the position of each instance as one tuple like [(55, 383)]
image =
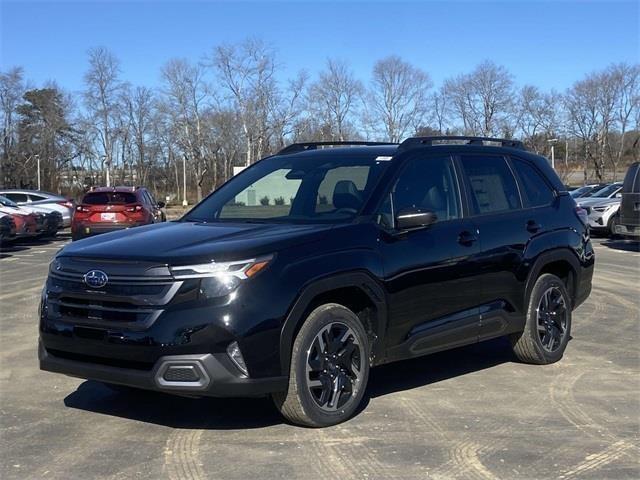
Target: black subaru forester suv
[(315, 264)]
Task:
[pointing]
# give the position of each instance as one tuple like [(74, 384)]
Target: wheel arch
[(561, 263), (358, 291)]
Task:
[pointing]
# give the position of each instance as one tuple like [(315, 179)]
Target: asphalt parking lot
[(471, 413)]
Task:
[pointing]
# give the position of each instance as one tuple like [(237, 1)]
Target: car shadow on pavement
[(430, 369), (235, 413), (7, 250), (625, 245), (174, 411)]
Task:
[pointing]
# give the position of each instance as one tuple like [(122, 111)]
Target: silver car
[(37, 198)]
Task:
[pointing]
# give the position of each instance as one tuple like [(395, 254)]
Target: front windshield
[(579, 191), (7, 203), (311, 189), (606, 191)]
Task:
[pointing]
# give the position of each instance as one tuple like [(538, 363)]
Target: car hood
[(597, 202), (176, 243)]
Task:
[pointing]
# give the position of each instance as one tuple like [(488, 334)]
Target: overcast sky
[(549, 44)]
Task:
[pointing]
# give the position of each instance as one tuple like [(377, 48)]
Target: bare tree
[(398, 97), (102, 100), (626, 81), (537, 116), (582, 120), (333, 98), (482, 99), (12, 88), (246, 72), (187, 97), (140, 110), (440, 110)]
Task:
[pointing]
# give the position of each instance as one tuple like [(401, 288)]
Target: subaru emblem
[(96, 278)]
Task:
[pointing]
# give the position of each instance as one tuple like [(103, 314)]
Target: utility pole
[(553, 142), (184, 180), (105, 162), (38, 161)]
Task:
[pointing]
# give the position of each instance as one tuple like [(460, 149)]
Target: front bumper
[(194, 374)]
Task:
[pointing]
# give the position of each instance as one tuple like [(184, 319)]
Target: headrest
[(346, 195)]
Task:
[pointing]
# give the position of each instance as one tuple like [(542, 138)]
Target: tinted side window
[(146, 197), (36, 198), (17, 197), (535, 190), (493, 188), (428, 184)]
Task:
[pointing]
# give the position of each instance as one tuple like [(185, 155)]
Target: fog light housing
[(233, 350)]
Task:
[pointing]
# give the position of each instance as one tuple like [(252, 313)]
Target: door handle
[(466, 238), (532, 226)]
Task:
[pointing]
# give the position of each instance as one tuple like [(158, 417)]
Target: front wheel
[(548, 325), (329, 369)]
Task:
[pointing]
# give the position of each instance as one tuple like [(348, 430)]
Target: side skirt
[(459, 329)]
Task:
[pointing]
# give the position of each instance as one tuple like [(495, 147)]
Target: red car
[(27, 225), (106, 209)]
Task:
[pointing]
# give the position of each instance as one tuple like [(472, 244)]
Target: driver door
[(431, 274)]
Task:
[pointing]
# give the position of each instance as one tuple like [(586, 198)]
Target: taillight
[(582, 215), (134, 208), (82, 209), (66, 203)]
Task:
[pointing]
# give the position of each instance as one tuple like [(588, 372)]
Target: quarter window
[(535, 190), (493, 188)]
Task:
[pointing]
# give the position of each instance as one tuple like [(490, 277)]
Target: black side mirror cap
[(411, 218), (161, 204)]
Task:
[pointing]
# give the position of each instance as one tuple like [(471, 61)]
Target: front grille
[(113, 289), (132, 298)]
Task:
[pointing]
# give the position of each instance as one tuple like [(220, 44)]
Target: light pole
[(553, 142), (184, 181), (38, 161)]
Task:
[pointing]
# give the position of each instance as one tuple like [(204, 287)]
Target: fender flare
[(546, 258), (359, 279)]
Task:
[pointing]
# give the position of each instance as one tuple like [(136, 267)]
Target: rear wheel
[(548, 325), (329, 369)]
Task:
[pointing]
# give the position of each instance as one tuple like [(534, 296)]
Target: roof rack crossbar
[(302, 147), (441, 140)]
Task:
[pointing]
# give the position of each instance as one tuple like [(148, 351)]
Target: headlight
[(221, 278), (604, 209)]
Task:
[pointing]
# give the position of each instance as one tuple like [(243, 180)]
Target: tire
[(611, 226), (311, 399), (532, 344)]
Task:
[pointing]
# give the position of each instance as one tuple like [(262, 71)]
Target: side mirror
[(618, 195), (161, 204), (414, 218)]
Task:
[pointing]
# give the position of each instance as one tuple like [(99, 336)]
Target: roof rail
[(464, 140), (303, 147)]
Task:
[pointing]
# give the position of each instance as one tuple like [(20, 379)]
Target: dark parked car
[(312, 266), (629, 220), (7, 228), (106, 209)]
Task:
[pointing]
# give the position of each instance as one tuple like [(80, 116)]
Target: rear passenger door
[(495, 203)]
